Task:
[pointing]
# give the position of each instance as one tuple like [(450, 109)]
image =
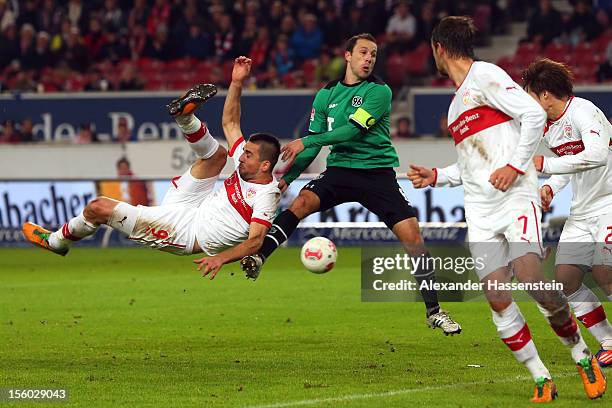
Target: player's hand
[(211, 265), (283, 186), (242, 69), (503, 178), (421, 176), (291, 150), (538, 162), (546, 196)]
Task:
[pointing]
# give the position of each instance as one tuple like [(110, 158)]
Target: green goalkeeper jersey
[(354, 120)]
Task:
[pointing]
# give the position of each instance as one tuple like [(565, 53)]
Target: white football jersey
[(581, 140), (494, 123), (224, 217)]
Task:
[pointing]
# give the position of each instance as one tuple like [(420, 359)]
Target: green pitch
[(135, 327)]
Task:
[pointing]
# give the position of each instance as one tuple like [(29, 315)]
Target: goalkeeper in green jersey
[(352, 116)]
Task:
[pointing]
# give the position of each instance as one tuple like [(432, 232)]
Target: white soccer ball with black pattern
[(319, 255)]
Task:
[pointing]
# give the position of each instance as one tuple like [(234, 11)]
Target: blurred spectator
[(73, 53), (188, 17), (249, 35), (260, 48), (403, 129), (282, 56), (271, 78), (330, 67), (96, 81), (124, 133), (443, 131), (137, 190), (332, 27), (116, 48), (354, 24), (26, 130), (224, 38), (7, 17), (197, 43), (401, 28), (49, 17), (307, 39), (582, 25), (287, 26), (138, 15), (604, 73), (112, 16), (9, 133), (77, 14), (425, 23), (129, 79), (377, 17), (95, 40), (159, 15), (275, 17), (545, 24), (28, 13), (159, 47), (138, 41), (85, 135), (9, 45), (27, 46), (42, 55)]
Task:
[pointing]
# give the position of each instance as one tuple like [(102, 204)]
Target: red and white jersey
[(494, 123), (581, 140), (224, 217)]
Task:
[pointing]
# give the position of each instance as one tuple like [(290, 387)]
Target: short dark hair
[(350, 44), (548, 75), (269, 147), (123, 160), (456, 34)]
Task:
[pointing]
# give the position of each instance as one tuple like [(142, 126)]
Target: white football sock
[(568, 334), (592, 315), (197, 135), (75, 230), (513, 331)]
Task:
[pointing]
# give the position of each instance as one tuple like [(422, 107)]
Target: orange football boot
[(545, 390), (593, 378), (40, 237)]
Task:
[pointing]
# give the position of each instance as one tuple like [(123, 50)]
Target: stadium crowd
[(104, 45)]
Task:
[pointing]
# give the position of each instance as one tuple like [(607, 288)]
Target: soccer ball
[(319, 255)]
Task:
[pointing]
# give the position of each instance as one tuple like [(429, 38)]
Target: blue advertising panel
[(58, 118)]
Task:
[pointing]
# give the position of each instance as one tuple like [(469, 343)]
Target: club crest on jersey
[(466, 97), (357, 101), (251, 193), (567, 130), (312, 114)]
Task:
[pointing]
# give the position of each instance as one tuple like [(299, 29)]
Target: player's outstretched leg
[(589, 310), (196, 133), (96, 212)]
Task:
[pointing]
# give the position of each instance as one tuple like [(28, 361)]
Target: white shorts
[(169, 226), (498, 237), (586, 242)]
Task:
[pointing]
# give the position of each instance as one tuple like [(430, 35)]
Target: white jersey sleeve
[(449, 176), (557, 182), (265, 206), (236, 151), (506, 95), (594, 131)]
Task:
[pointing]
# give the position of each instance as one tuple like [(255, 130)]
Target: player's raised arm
[(231, 108)]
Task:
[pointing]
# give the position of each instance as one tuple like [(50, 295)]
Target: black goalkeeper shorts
[(375, 189)]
